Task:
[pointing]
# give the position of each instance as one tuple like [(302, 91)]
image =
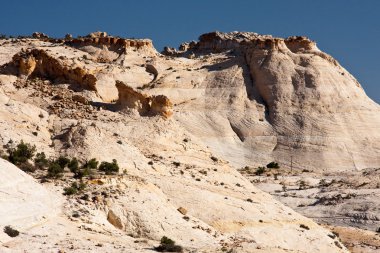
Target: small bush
[(259, 171), (27, 167), (63, 161), (70, 190), (11, 231), (91, 164), (109, 168), (55, 170), (168, 245), (73, 165), (40, 161), (85, 170), (74, 188), (22, 153), (273, 165)]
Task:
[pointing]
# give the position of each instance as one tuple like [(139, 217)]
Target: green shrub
[(22, 153), (168, 245), (40, 161), (74, 188), (109, 168), (55, 170), (73, 165), (91, 164), (62, 161), (273, 165), (85, 170), (259, 171), (11, 231), (70, 190)]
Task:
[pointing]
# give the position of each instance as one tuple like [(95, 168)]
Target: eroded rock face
[(132, 99), (161, 105), (111, 41), (97, 35), (38, 35), (27, 65), (107, 48), (308, 107), (39, 63), (129, 98)]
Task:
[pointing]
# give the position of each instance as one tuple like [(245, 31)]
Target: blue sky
[(349, 30)]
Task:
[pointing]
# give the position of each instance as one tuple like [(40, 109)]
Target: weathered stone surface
[(80, 99), (23, 201), (97, 35), (38, 35), (161, 105), (129, 98), (99, 45), (38, 62), (132, 99), (314, 113)]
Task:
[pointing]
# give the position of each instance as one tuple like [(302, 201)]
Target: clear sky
[(349, 30)]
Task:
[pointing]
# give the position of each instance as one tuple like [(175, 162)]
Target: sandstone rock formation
[(39, 63), (144, 104), (38, 35), (97, 35), (310, 112), (106, 48), (131, 99), (236, 99)]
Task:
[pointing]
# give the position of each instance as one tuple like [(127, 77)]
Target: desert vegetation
[(11, 231), (168, 245), (261, 169), (24, 156)]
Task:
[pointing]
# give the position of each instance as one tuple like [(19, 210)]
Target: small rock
[(80, 99), (182, 210)]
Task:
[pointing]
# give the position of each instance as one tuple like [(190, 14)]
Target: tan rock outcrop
[(161, 105), (114, 219), (97, 44), (38, 35), (37, 62), (132, 99), (129, 98), (97, 35), (27, 65)]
